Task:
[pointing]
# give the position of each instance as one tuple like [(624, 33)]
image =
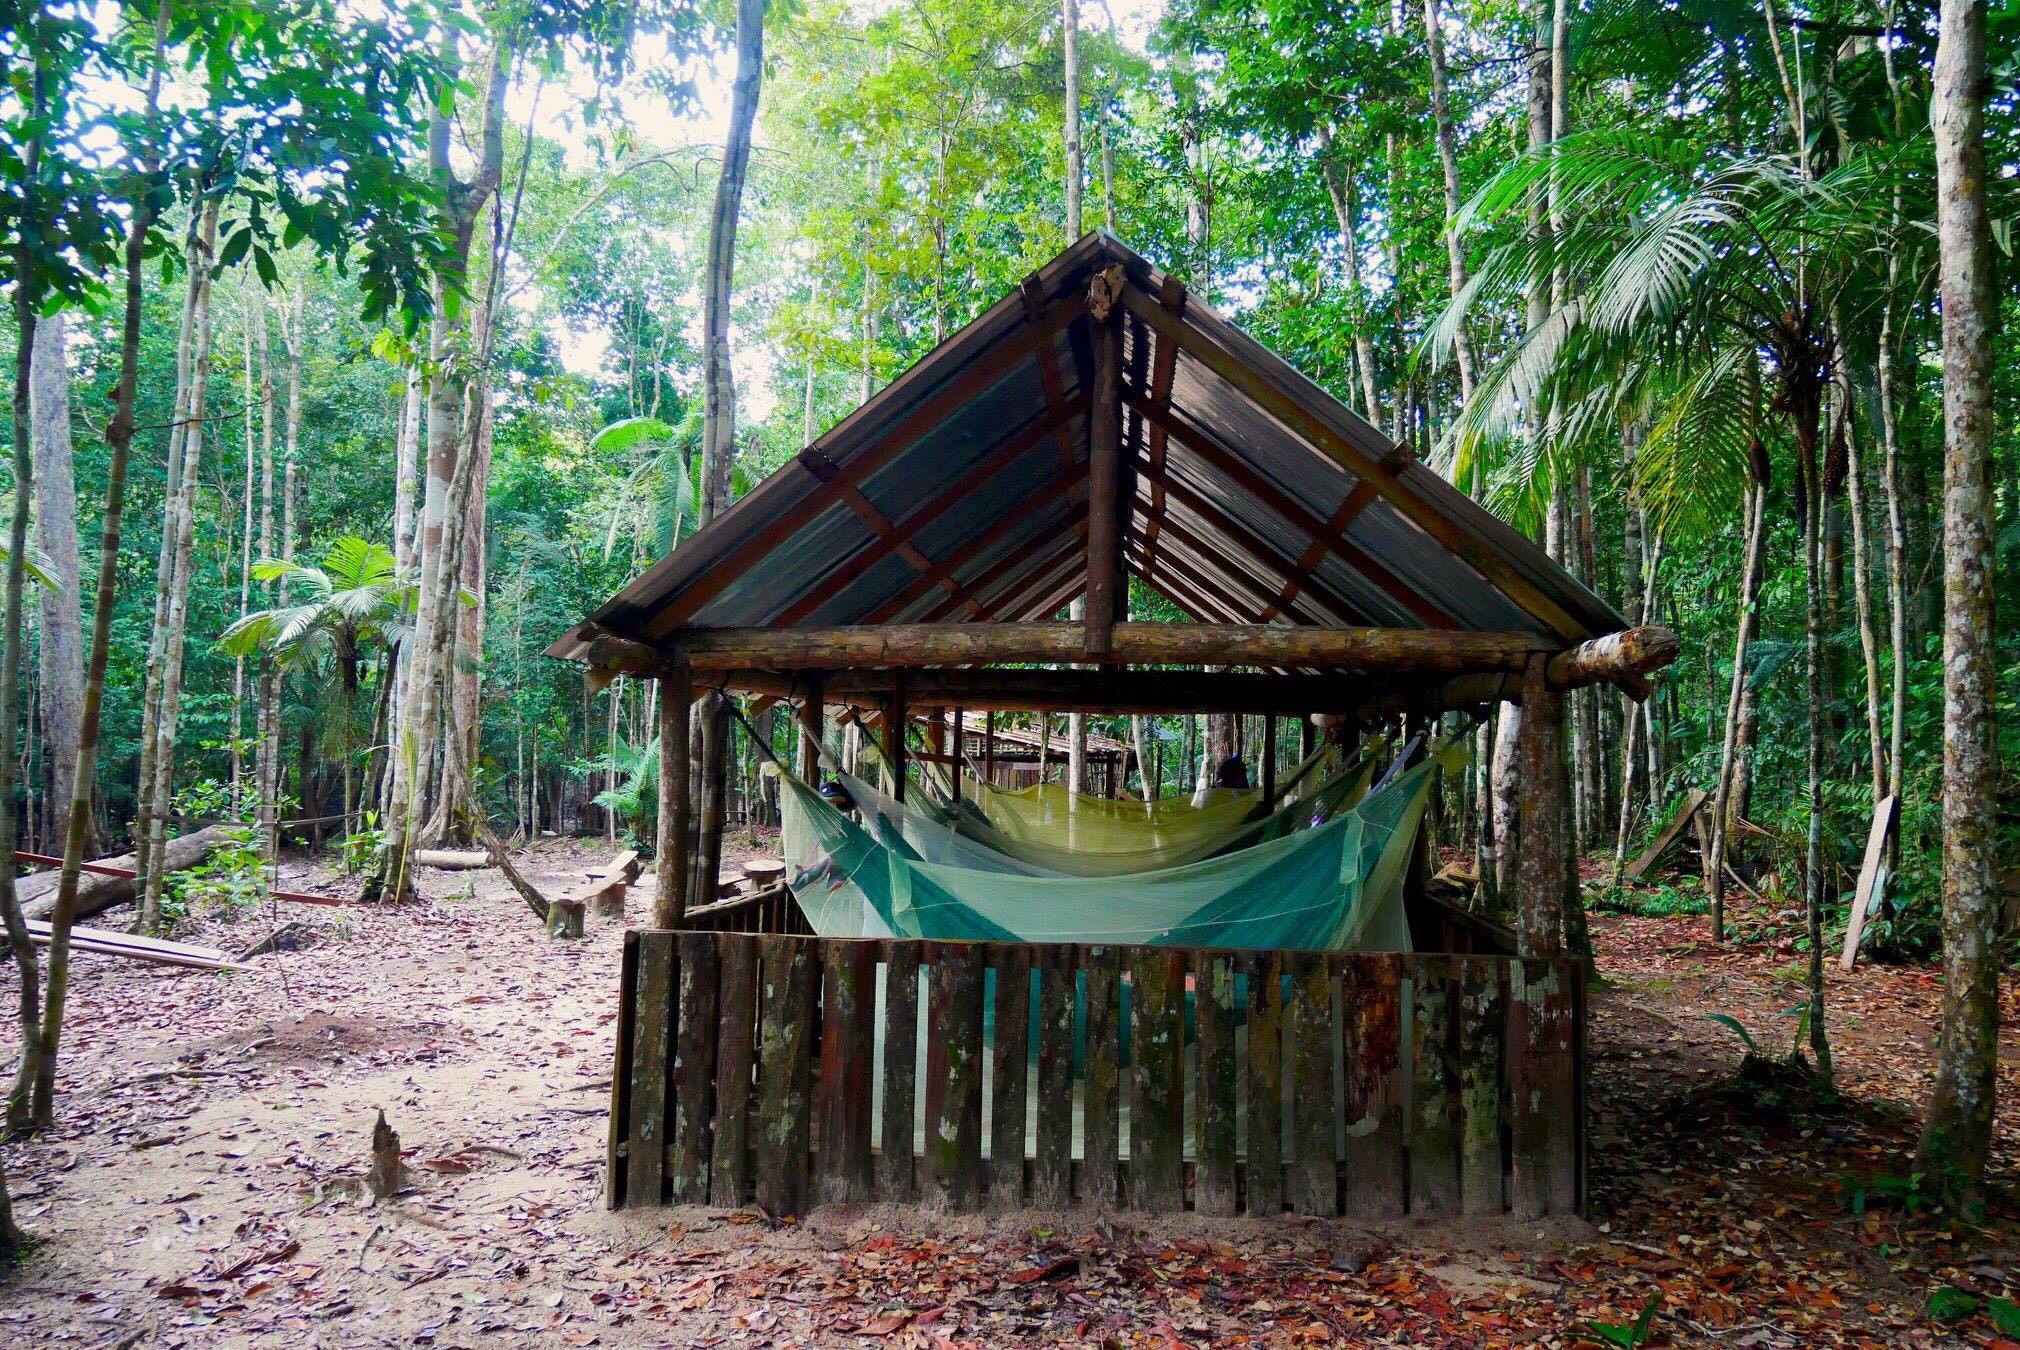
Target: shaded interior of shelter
[(958, 494)]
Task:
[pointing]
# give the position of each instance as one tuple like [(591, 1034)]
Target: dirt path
[(202, 1185)]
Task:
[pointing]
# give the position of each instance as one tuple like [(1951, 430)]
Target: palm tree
[(332, 617), (1717, 295)]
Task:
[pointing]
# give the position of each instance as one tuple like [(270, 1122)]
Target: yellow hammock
[(1048, 814)]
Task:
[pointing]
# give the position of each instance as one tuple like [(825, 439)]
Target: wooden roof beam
[(1298, 515), (1071, 484), (1263, 391), (991, 367)]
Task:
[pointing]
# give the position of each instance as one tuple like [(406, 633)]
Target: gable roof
[(958, 494)]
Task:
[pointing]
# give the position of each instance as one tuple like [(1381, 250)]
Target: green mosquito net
[(1335, 885)]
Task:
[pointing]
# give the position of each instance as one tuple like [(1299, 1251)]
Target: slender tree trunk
[(32, 1101), (407, 470), (1743, 627), (175, 636), (1806, 415), (61, 690), (1897, 559), (1344, 190), (1957, 1125), (1076, 172), (244, 572), (1448, 163)]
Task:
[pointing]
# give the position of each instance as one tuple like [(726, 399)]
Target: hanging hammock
[(1334, 886)]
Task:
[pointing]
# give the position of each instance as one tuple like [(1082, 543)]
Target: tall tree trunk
[(1957, 1125), (61, 692), (1343, 188), (407, 470), (1804, 404), (1076, 172), (1448, 163), (32, 1101), (245, 562), (1897, 558), (1743, 627), (175, 635)]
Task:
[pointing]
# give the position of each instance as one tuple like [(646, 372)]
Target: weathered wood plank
[(897, 1176), (1100, 1181), (1373, 1058), (652, 1035), (788, 971), (1009, 1072), (1542, 1090), (1309, 1024), (687, 1154), (1052, 1169), (954, 1143), (848, 993), (617, 1161), (1217, 1110), (1265, 1082), (1483, 1024), (1157, 1079), (735, 1067), (1434, 1137)]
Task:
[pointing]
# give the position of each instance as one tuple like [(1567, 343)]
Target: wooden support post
[(1542, 867), (960, 750), (894, 741), (989, 746), (1268, 754), (813, 721), (1308, 737), (1104, 470), (676, 700), (936, 734)]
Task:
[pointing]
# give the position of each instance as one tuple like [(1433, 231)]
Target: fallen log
[(101, 889), (451, 860)]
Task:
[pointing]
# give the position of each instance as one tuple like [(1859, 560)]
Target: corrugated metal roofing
[(958, 493)]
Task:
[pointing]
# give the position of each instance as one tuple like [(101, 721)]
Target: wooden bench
[(604, 893)]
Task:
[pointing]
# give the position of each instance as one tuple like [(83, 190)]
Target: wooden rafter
[(1070, 485), (943, 501), (1019, 570), (1104, 467), (1173, 297), (1385, 472), (893, 539), (987, 369), (1035, 306), (1295, 513), (1247, 541), (1315, 552)]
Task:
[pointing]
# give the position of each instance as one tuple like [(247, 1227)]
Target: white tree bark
[(62, 649)]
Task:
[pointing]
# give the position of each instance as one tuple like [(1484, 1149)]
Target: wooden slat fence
[(792, 1071)]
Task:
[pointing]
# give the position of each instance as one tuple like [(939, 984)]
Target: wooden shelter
[(1102, 423)]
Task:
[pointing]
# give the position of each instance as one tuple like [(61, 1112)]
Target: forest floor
[(203, 1185)]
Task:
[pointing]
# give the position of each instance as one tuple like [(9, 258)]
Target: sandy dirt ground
[(203, 1184)]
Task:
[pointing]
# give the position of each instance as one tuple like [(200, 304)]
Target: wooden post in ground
[(960, 749), (894, 740), (1104, 467), (813, 717), (676, 695), (1268, 754), (1542, 866)]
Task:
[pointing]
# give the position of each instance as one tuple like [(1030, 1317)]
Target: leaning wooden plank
[(1483, 1026), (1217, 1111), (954, 1131), (108, 937), (1009, 1073), (694, 1037), (735, 1066), (1315, 1187), (1372, 1000), (37, 894), (1265, 1087), (786, 979), (1670, 833), (652, 1048), (1052, 1168), (848, 999), (1434, 1141), (148, 956), (1870, 871), (897, 1177), (1157, 1079), (618, 1145), (1101, 1180)]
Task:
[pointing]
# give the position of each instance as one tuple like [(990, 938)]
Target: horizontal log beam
[(1373, 650)]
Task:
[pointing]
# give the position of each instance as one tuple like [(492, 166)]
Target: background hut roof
[(958, 494)]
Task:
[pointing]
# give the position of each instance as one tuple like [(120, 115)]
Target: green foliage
[(1948, 1303), (1629, 1335)]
